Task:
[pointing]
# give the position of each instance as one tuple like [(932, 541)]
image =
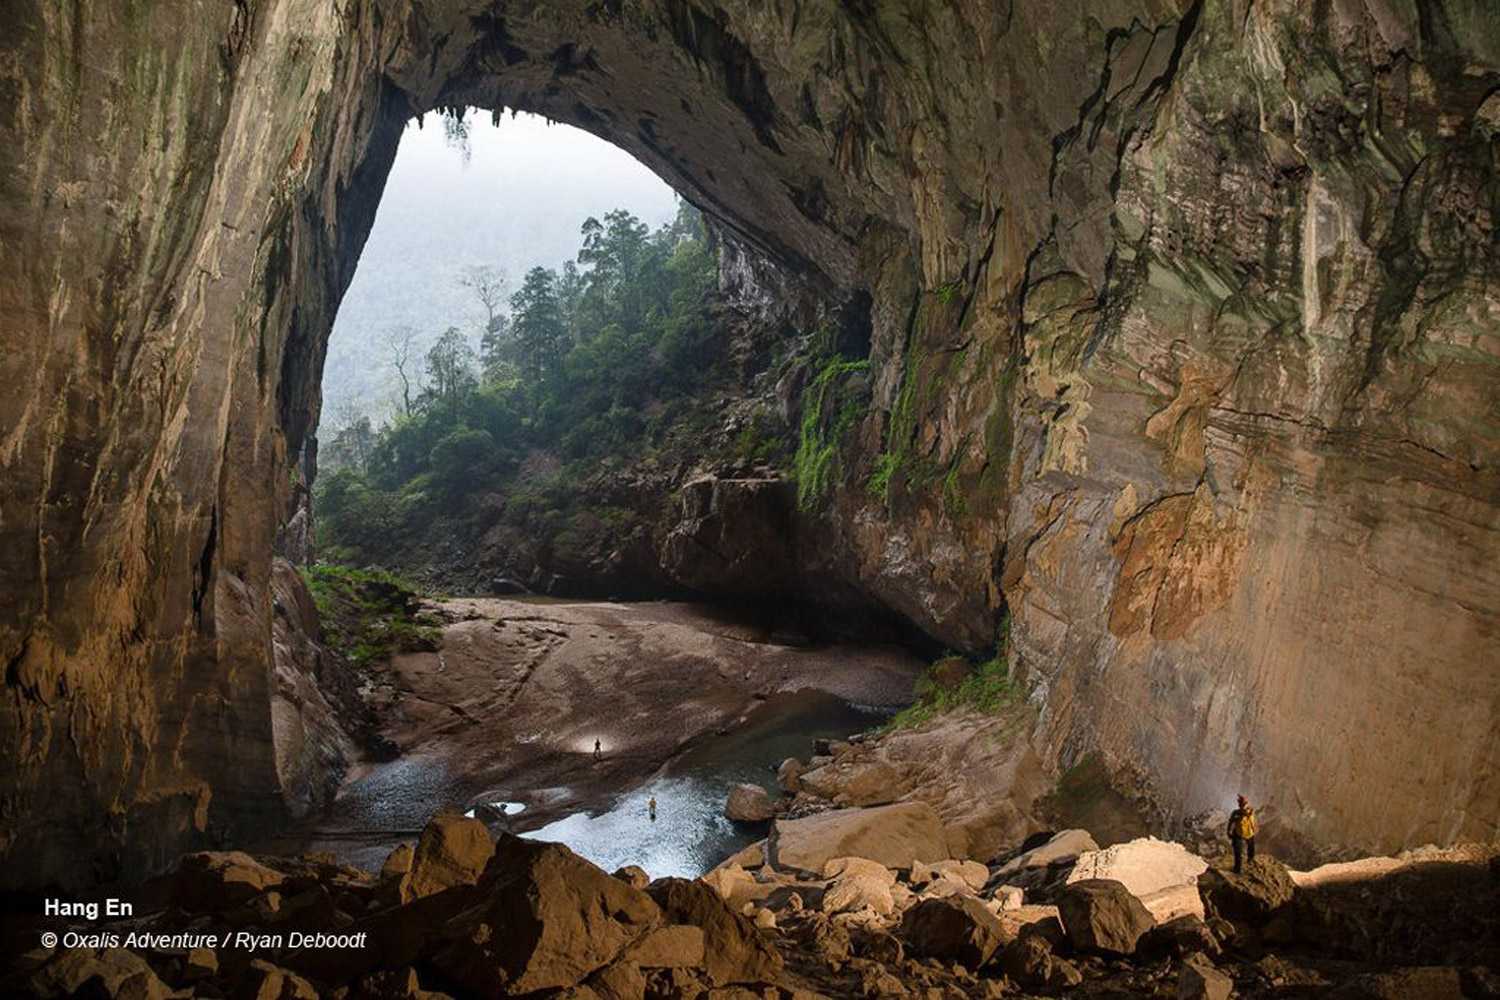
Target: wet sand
[(509, 707)]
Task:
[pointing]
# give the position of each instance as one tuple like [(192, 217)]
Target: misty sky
[(518, 202)]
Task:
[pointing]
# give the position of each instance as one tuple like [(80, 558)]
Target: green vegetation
[(368, 614), (988, 689), (593, 363), (830, 407)]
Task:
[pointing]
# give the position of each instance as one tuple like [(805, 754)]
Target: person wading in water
[(1242, 829), (652, 806)]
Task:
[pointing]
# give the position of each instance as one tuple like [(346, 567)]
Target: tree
[(400, 343), (488, 286), (537, 324), (450, 369)]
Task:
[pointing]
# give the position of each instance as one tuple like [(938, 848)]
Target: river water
[(690, 835)]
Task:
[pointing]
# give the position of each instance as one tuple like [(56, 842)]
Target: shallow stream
[(690, 834)]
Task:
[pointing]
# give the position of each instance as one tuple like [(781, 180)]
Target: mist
[(512, 196)]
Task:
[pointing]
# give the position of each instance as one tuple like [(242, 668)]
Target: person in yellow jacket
[(1242, 829)]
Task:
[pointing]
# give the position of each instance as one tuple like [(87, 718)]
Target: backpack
[(1245, 823)]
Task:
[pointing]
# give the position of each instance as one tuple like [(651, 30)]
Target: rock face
[(1183, 327)]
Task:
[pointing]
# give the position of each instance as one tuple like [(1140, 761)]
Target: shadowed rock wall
[(1185, 327)]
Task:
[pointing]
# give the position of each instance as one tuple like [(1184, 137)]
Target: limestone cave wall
[(1185, 355)]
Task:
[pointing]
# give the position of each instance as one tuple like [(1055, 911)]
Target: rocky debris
[(954, 929), (971, 875), (398, 862), (453, 850), (1253, 897), (675, 946), (1101, 915), (1426, 983), (1199, 980), (115, 971), (789, 776), (859, 892), (894, 836), (1009, 897), (734, 950), (271, 982), (734, 885), (749, 804)]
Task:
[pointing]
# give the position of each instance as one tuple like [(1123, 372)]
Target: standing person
[(1242, 829), (598, 751), (652, 806)]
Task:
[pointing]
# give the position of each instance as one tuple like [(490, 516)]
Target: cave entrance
[(532, 307)]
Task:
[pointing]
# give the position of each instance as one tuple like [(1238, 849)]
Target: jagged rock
[(1252, 897), (765, 920), (1010, 897), (894, 836), (1062, 848), (734, 951), (734, 885), (955, 929), (1100, 915), (212, 882), (878, 945), (789, 775), (453, 850), (749, 804), (634, 876), (199, 963), (548, 920), (1178, 938), (394, 984), (620, 981), (1199, 980)]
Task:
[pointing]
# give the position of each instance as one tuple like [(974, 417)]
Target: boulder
[(214, 881), (734, 885), (1010, 897), (1100, 915), (842, 867), (113, 970), (788, 776), (749, 804), (675, 946), (634, 876), (856, 892), (264, 981), (1250, 898), (939, 888), (1199, 980), (199, 964), (1061, 848), (1178, 938), (969, 873), (620, 981), (894, 836), (751, 857), (453, 850), (1161, 874), (868, 782), (398, 862), (549, 919), (1028, 960), (955, 929), (734, 950)]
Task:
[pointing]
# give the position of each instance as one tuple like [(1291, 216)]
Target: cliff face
[(1185, 346)]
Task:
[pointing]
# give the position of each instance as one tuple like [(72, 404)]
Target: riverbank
[(508, 706)]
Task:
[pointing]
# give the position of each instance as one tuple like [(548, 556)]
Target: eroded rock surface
[(1183, 327)]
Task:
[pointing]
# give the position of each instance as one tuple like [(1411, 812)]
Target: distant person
[(1242, 828), (652, 807), (598, 751)]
